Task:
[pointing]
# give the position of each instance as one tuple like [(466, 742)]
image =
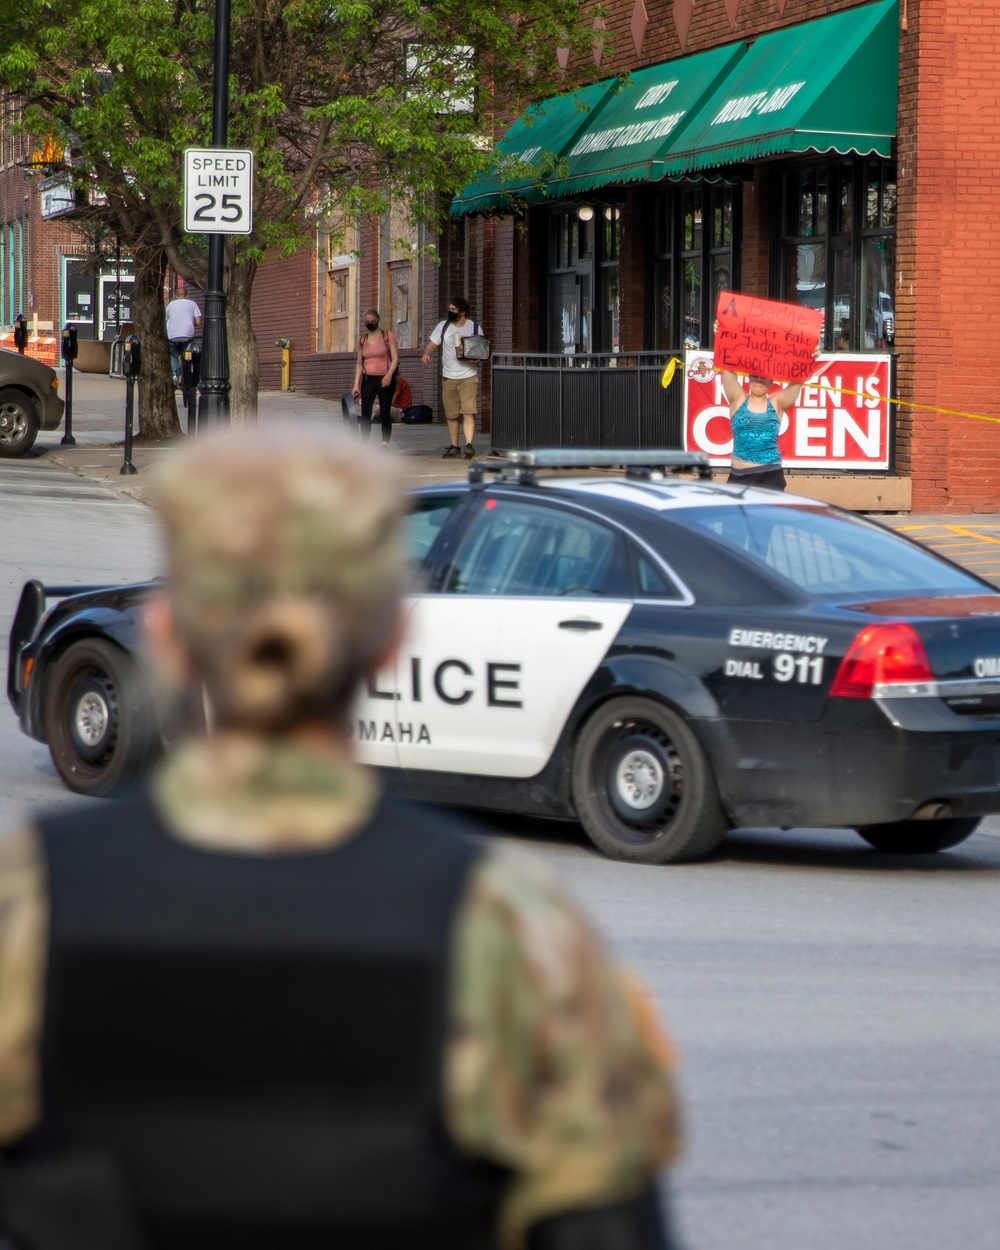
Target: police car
[(657, 656)]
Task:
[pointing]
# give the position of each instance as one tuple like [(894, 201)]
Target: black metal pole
[(131, 363), (214, 401), (118, 286), (69, 355), (128, 469)]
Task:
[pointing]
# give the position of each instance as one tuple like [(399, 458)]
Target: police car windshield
[(825, 553)]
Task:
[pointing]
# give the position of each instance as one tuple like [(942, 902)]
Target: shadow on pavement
[(841, 849), (837, 849)]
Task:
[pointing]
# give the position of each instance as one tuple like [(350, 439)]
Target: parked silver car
[(29, 402)]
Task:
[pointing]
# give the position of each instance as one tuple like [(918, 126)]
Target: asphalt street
[(837, 1010), (66, 530)]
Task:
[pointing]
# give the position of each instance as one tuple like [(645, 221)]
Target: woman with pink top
[(375, 375)]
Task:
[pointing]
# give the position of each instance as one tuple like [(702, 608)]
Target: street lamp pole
[(213, 405)]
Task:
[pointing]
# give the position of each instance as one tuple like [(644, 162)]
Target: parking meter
[(131, 358), (69, 349), (131, 361), (191, 366), (190, 374), (21, 332)]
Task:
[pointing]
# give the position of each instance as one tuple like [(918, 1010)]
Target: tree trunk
[(157, 405), (244, 362)]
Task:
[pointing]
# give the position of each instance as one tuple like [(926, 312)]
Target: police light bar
[(556, 458)]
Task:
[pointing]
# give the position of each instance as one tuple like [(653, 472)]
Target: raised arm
[(730, 383), (787, 396)]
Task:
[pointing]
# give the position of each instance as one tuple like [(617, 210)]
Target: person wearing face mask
[(459, 380), (375, 376)]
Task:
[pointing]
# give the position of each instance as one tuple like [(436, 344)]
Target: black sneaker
[(451, 452), (470, 451)]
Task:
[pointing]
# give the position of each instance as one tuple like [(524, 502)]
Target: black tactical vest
[(257, 1040)]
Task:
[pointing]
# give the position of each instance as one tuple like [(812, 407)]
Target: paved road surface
[(66, 530), (839, 1018)]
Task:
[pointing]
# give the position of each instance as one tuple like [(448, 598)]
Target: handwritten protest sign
[(765, 338)]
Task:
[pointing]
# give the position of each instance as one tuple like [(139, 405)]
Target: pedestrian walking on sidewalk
[(459, 380), (375, 376), (282, 1011)]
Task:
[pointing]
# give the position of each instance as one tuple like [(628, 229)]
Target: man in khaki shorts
[(459, 380)]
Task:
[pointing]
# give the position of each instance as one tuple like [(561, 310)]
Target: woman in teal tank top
[(755, 418)]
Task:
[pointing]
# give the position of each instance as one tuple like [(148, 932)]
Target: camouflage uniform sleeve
[(557, 1066), (23, 925)]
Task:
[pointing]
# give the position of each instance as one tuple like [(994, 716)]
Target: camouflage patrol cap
[(285, 566)]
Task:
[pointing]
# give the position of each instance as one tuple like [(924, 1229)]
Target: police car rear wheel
[(920, 837), (99, 722), (642, 786)]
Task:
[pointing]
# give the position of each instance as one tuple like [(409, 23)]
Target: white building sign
[(56, 196)]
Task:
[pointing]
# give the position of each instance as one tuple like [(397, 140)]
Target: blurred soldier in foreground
[(280, 1011)]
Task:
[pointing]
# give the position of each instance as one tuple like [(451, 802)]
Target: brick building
[(761, 145), (45, 271), (316, 299)]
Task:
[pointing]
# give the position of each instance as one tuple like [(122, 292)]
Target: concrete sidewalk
[(99, 430)]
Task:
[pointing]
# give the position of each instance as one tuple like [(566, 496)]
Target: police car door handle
[(581, 623)]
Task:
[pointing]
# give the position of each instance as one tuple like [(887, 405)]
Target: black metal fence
[(607, 400)]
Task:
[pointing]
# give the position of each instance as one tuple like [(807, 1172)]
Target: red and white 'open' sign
[(830, 427)]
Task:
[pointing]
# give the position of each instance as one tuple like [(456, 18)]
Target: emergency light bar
[(522, 465)]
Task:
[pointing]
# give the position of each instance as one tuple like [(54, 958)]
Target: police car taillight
[(889, 654)]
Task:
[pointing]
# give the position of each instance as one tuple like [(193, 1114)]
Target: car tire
[(18, 422), (99, 721), (642, 786), (920, 837)]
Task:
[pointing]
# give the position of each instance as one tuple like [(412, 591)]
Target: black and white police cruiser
[(659, 656)]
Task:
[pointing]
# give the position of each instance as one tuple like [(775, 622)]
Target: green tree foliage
[(346, 105)]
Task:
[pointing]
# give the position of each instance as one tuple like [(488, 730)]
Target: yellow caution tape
[(674, 361)]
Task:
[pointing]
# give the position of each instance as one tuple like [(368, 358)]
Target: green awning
[(538, 137), (828, 85), (625, 141)]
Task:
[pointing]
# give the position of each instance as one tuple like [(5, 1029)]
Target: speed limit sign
[(218, 191)]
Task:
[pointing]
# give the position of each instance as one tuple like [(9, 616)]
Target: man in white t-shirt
[(459, 380), (183, 320)]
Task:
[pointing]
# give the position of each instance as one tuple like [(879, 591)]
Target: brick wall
[(45, 244), (284, 305), (948, 277), (756, 232)]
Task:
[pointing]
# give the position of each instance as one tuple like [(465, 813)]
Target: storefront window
[(805, 274), (583, 287), (837, 248), (878, 264), (610, 324), (693, 262)]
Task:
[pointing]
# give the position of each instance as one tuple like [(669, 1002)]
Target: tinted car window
[(650, 583), (515, 548), (822, 552), (423, 525)]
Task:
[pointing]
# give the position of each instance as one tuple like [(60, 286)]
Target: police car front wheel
[(99, 722), (642, 786)]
